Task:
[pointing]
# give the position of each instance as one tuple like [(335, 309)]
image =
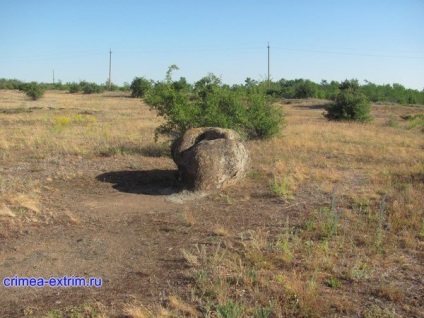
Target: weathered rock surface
[(210, 158)]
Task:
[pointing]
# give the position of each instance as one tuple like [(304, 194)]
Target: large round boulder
[(210, 158)]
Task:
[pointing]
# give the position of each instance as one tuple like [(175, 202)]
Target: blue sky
[(375, 40)]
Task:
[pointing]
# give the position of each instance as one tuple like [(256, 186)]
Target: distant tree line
[(72, 87), (297, 88), (301, 88)]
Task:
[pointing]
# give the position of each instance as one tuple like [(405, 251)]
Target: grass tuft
[(179, 305)]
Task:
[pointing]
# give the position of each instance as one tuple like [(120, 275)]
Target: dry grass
[(137, 311), (363, 161), (220, 230), (85, 310), (73, 219), (76, 124), (5, 211), (180, 306), (357, 237), (372, 178), (188, 217), (60, 126)]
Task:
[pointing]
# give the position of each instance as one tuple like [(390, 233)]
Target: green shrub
[(416, 120), (125, 88), (212, 104), (333, 282), (181, 85), (33, 90), (91, 88), (74, 88), (10, 83), (87, 87), (305, 89), (174, 106), (139, 87), (230, 310), (264, 119), (350, 104)]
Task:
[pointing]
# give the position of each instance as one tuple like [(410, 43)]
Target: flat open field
[(329, 221)]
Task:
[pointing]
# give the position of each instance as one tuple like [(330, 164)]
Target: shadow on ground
[(306, 107), (151, 182)]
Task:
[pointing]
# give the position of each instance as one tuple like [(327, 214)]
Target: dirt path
[(114, 222), (129, 239)]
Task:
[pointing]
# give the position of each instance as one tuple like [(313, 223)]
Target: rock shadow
[(151, 182), (319, 106)]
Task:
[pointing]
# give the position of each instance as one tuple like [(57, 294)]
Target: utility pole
[(53, 76), (110, 69), (268, 66)]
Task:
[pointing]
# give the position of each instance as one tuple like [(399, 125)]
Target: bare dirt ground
[(118, 226), (106, 214)]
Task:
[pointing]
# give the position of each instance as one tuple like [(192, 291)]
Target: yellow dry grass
[(137, 311), (375, 175), (59, 125), (180, 306), (73, 219), (77, 124), (220, 230), (5, 211), (360, 159)]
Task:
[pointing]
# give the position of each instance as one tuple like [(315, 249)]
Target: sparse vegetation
[(414, 121), (62, 122), (347, 242), (282, 187)]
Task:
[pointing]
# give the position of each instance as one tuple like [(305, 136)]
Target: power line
[(349, 53), (155, 50)]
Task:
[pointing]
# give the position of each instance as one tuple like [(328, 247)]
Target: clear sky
[(381, 41)]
